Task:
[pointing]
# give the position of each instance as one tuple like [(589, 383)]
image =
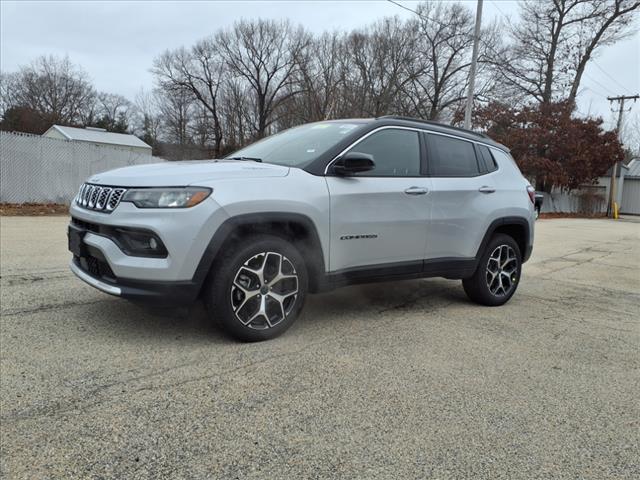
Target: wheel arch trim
[(520, 222), (314, 258)]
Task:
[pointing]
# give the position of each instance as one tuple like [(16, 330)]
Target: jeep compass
[(312, 208)]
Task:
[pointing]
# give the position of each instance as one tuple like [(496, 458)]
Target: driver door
[(379, 217)]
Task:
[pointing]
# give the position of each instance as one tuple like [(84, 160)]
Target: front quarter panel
[(298, 193)]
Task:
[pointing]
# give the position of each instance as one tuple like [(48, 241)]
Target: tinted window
[(299, 146), (396, 153), (487, 158), (450, 157)]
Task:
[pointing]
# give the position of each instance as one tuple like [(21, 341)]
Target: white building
[(627, 187), (99, 136), (630, 202)]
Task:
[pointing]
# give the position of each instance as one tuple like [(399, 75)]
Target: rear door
[(463, 193), (380, 217)]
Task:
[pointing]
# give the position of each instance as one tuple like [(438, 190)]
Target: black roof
[(439, 127)]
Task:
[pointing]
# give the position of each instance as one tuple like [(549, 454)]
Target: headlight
[(166, 197)]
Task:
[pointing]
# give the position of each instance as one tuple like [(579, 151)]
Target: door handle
[(416, 191), (486, 189)]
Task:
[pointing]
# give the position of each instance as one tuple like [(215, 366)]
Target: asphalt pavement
[(404, 380)]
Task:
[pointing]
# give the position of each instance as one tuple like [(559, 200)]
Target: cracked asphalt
[(405, 380)]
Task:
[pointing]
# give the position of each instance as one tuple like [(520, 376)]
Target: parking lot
[(406, 380)]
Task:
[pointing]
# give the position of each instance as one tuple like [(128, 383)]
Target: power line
[(495, 4), (607, 89), (474, 57), (610, 77), (406, 8), (595, 91), (418, 13)]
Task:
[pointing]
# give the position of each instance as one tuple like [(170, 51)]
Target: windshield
[(298, 146)]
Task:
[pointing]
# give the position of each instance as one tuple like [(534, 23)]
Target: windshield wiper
[(250, 159)]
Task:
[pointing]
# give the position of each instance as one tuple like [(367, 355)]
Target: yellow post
[(615, 210)]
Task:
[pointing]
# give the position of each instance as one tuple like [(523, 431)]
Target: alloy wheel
[(264, 290), (502, 270)]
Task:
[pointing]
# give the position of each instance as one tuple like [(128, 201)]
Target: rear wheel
[(257, 289), (498, 274)]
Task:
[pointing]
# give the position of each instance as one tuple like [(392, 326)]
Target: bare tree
[(147, 123), (439, 72), (199, 71), (320, 83), (554, 40), (611, 21), (265, 54), (55, 88), (376, 68), (6, 97), (237, 113), (176, 111), (114, 112)]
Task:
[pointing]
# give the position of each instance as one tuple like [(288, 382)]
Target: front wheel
[(498, 274), (257, 289)]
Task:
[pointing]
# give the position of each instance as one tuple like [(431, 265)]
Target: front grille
[(96, 268), (92, 227), (99, 198)]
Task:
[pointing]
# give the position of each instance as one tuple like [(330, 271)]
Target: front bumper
[(102, 262), (94, 282), (156, 293), (185, 233)]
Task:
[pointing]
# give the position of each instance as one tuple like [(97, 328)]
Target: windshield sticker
[(321, 125), (311, 150)]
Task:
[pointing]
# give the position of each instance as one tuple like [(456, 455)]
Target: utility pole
[(616, 168), (472, 70)]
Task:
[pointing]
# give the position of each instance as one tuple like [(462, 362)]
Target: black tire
[(224, 296), (483, 286)]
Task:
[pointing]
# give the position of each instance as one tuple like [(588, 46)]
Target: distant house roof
[(98, 135)]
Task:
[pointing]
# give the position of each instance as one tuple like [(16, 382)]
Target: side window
[(504, 159), (489, 162), (396, 153), (450, 157)]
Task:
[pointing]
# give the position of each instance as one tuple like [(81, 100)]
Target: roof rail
[(431, 122)]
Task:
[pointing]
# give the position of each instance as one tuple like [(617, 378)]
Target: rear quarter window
[(503, 158), (488, 162)]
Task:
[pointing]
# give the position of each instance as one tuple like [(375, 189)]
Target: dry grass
[(32, 209), (571, 215)]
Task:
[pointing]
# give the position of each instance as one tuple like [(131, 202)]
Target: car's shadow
[(193, 324)]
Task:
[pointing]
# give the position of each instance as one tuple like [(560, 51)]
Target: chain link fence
[(42, 170)]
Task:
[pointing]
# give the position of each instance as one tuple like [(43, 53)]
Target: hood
[(178, 174)]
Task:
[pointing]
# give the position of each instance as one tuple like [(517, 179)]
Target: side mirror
[(354, 162)]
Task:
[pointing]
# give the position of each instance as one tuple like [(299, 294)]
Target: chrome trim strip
[(104, 196), (99, 198), (85, 277)]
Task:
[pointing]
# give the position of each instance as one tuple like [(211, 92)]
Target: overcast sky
[(116, 41)]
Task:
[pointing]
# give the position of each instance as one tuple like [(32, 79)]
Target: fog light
[(140, 243)]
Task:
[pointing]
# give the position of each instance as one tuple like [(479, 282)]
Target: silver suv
[(312, 208)]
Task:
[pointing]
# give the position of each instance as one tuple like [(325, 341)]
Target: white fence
[(38, 169), (589, 199)]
